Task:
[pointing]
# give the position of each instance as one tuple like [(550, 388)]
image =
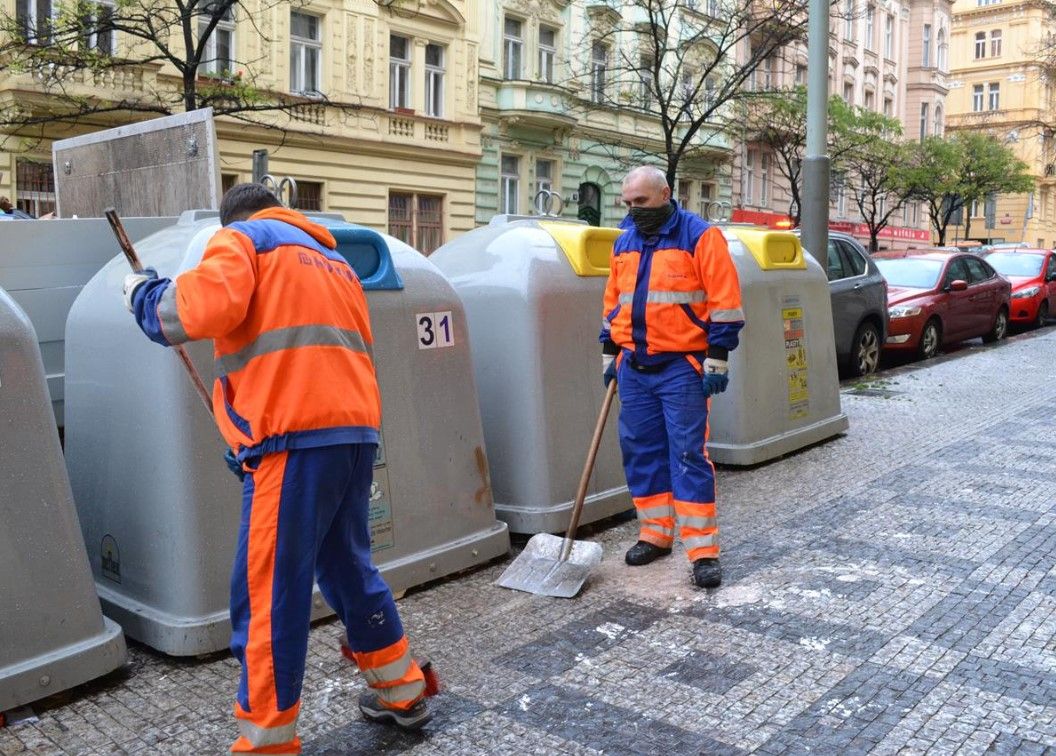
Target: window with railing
[(309, 196), (977, 98), (399, 72), (417, 220), (993, 92), (434, 81), (34, 187)]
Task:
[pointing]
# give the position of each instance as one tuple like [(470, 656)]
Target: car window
[(956, 272), (1052, 265), (1013, 264), (978, 270), (853, 262), (911, 273), (834, 269)]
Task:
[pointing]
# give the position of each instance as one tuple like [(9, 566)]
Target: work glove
[(234, 465), (608, 368), (133, 281), (715, 376)]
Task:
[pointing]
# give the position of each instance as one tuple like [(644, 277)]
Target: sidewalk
[(890, 591)]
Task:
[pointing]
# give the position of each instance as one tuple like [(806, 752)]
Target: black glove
[(234, 465)]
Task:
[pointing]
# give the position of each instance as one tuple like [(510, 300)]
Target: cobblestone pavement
[(892, 591)]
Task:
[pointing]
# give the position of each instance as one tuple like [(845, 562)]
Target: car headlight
[(903, 311), (1027, 293)]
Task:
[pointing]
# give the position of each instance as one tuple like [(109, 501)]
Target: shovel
[(553, 566)]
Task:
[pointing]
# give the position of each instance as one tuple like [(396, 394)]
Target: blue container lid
[(368, 254)]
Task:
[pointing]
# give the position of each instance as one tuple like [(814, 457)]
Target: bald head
[(646, 186)]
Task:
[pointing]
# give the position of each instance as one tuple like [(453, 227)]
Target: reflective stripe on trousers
[(392, 674)]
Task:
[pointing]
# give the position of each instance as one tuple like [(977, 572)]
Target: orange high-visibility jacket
[(673, 294), (291, 333)]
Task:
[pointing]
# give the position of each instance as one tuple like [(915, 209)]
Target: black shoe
[(707, 573), (413, 718), (644, 552)]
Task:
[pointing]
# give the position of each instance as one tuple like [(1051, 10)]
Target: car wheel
[(865, 351), (1000, 328), (1043, 314), (930, 339)]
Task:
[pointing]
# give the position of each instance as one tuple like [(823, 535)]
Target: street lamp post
[(815, 216)]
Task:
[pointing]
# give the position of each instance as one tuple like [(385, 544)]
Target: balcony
[(406, 126), (535, 104)]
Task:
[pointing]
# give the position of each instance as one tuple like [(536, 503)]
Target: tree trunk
[(967, 225), (941, 231), (190, 89)]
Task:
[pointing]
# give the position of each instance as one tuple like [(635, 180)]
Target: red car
[(1033, 276), (939, 298)]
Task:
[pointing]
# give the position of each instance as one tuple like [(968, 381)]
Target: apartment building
[(889, 57), (401, 157), (998, 85)]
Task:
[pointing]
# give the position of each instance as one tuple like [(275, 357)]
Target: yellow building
[(402, 158), (997, 85)]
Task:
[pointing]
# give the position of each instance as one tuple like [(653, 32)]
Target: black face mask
[(649, 220)]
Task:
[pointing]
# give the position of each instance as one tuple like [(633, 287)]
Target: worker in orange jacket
[(297, 401), (672, 314)]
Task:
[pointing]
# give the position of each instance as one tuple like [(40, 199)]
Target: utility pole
[(815, 234)]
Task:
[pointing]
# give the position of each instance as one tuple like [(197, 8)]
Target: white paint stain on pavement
[(739, 595), (610, 630), (525, 700), (815, 644)]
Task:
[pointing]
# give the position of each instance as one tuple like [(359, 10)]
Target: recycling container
[(160, 509), (53, 635)]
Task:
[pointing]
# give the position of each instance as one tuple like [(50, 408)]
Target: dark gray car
[(859, 305)]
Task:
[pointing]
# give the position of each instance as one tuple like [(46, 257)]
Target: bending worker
[(672, 315), (298, 403)]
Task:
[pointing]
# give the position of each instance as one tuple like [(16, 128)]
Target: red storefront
[(892, 237)]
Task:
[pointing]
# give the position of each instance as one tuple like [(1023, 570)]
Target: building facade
[(402, 156), (998, 85), (889, 57)]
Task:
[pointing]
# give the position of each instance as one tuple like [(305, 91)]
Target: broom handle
[(588, 468), (137, 267)]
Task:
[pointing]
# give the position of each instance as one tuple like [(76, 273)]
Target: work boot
[(707, 573), (413, 718), (644, 552)]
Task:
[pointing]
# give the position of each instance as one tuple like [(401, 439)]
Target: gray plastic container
[(533, 292), (160, 509), (53, 635), (44, 265), (784, 391)]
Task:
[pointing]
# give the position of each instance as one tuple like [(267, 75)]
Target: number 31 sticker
[(435, 329)]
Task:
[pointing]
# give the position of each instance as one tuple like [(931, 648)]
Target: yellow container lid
[(588, 248), (773, 250)]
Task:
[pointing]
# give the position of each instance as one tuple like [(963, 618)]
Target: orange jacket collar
[(297, 219)]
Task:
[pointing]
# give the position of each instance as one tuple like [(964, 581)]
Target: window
[(986, 2), (870, 23), (306, 52), (957, 271), (848, 19), (977, 98), (925, 55), (870, 100), (35, 187), (764, 170), (889, 106), (227, 180), (749, 177), (937, 131), (709, 92), (889, 36), (834, 263), (980, 45), (547, 53), (995, 43), (34, 20), (978, 270), (434, 81), (513, 46), (973, 211), (841, 198), (544, 180), (848, 92), (944, 50), (100, 35), (763, 76), (801, 74), (599, 61), (417, 220), (309, 195), (645, 73), (219, 55), (399, 72), (993, 92), (853, 262), (707, 194), (684, 189), (923, 120), (510, 184)]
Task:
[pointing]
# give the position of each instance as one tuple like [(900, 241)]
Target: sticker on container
[(379, 518), (795, 358), (110, 557), (435, 329), (379, 452)]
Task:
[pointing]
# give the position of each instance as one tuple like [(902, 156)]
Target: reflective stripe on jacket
[(673, 293), (291, 334)]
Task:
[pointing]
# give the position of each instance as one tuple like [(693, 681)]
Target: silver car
[(859, 305)]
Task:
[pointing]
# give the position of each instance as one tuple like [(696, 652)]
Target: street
[(890, 591)]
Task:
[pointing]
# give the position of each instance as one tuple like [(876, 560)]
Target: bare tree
[(97, 59), (687, 63)]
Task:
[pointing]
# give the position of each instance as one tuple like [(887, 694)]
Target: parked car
[(942, 298), (859, 305), (1032, 273)]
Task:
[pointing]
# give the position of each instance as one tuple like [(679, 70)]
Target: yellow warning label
[(796, 360)]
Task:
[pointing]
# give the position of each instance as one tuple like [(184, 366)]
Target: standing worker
[(672, 315), (298, 403)]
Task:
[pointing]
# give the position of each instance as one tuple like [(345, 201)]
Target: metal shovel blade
[(538, 569)]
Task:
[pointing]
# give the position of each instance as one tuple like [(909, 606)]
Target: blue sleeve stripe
[(268, 234), (725, 334), (145, 307)]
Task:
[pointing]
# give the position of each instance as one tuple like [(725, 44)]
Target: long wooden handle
[(588, 468), (137, 267)]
